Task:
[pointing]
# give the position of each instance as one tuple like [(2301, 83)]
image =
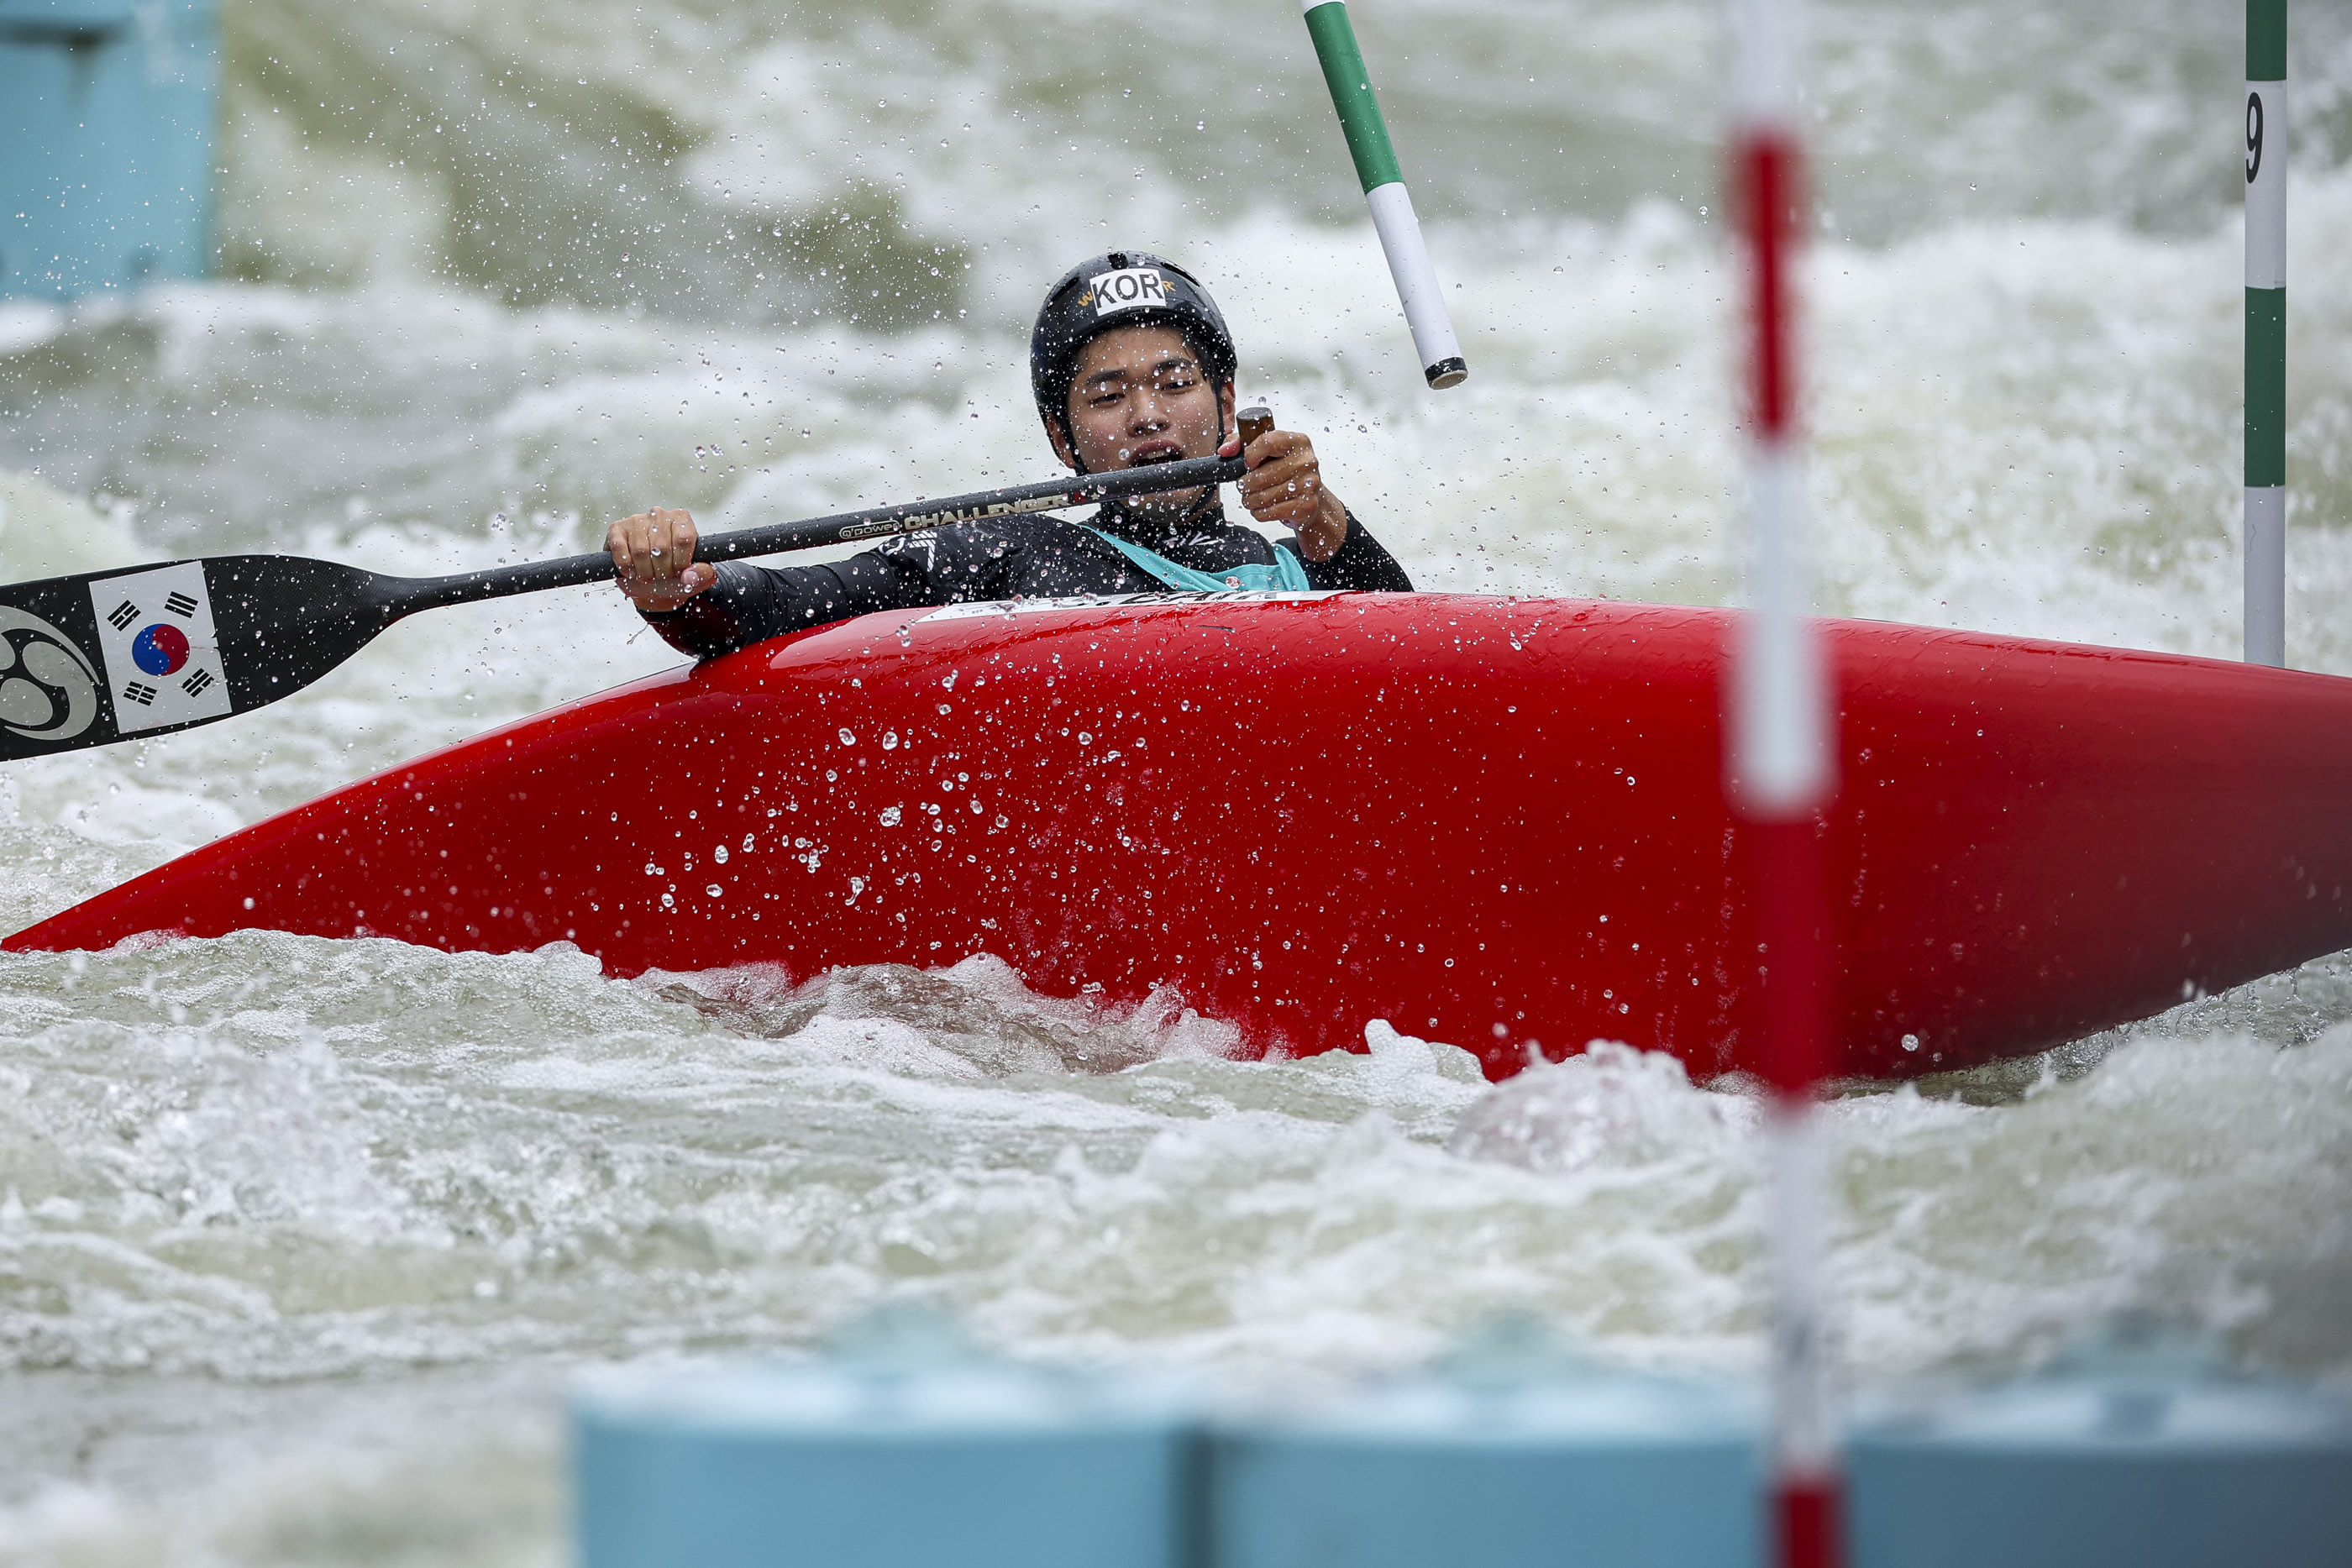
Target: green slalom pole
[(2266, 332), (1393, 216)]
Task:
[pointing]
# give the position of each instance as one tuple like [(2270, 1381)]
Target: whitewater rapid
[(298, 1239)]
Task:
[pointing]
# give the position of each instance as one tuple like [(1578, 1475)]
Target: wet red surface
[(1491, 822)]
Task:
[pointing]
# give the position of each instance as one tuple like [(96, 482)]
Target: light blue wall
[(106, 128)]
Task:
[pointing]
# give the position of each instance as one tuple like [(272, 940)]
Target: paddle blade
[(116, 655)]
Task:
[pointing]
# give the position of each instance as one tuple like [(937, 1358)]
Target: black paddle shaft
[(145, 650)]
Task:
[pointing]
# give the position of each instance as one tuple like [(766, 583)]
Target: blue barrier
[(107, 111), (2158, 1460), (898, 1453), (1560, 1470), (881, 1458)]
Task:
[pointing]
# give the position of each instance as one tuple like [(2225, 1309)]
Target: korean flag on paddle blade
[(162, 656)]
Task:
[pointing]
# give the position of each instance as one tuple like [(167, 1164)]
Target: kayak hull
[(1499, 822)]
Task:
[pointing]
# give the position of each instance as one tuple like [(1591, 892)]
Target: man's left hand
[(1284, 485)]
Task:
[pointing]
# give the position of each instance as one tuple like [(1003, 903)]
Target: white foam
[(44, 532)]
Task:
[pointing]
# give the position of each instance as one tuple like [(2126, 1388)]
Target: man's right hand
[(653, 556)]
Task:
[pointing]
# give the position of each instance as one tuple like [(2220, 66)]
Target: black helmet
[(1121, 289)]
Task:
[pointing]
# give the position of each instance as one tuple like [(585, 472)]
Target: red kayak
[(1488, 820)]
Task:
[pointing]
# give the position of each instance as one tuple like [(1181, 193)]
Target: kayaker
[(1130, 363)]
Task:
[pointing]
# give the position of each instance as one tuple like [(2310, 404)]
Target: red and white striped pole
[(1781, 772)]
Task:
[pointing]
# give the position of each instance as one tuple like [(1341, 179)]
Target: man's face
[(1140, 396)]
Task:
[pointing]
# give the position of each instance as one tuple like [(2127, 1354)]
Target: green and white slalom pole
[(2266, 332), (1393, 216)]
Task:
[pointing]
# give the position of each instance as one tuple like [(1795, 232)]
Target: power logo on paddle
[(1130, 288), (162, 656)]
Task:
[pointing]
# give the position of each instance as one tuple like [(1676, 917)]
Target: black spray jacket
[(1032, 557)]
